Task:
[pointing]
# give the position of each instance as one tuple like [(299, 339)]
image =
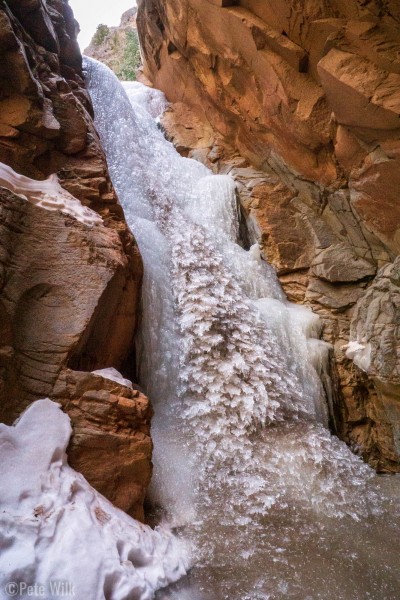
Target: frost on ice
[(55, 527), (232, 367)]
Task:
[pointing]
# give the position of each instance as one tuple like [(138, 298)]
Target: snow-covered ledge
[(55, 529), (48, 194), (113, 375)]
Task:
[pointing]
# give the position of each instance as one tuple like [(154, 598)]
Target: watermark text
[(52, 589)]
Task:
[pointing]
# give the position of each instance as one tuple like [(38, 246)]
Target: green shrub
[(131, 59), (102, 32)]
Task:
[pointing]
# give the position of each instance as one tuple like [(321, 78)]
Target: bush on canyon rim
[(102, 32)]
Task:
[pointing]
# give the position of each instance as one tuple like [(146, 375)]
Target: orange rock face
[(69, 292), (66, 295), (300, 103), (110, 444)]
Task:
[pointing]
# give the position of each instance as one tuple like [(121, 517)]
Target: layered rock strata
[(300, 103), (111, 444), (70, 270)]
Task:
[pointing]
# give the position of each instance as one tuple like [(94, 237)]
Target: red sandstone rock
[(68, 292), (110, 444)]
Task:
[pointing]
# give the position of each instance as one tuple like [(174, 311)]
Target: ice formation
[(54, 527), (47, 194), (233, 370), (113, 375), (153, 100), (360, 354)]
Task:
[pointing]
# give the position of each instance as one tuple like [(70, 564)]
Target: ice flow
[(232, 368)]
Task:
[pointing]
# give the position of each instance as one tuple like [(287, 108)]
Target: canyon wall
[(299, 101), (70, 278), (110, 45)]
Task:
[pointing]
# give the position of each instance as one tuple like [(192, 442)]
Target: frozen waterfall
[(272, 505)]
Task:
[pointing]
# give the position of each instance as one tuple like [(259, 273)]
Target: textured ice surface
[(203, 282), (55, 527), (47, 194), (233, 370), (152, 100)]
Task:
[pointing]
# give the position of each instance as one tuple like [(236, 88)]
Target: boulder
[(339, 264), (66, 292), (110, 444)]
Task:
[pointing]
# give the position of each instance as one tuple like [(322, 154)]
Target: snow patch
[(55, 527), (360, 354), (113, 375), (47, 194)]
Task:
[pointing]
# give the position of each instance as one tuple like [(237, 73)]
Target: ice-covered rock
[(113, 375), (360, 354), (54, 527), (48, 194)]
